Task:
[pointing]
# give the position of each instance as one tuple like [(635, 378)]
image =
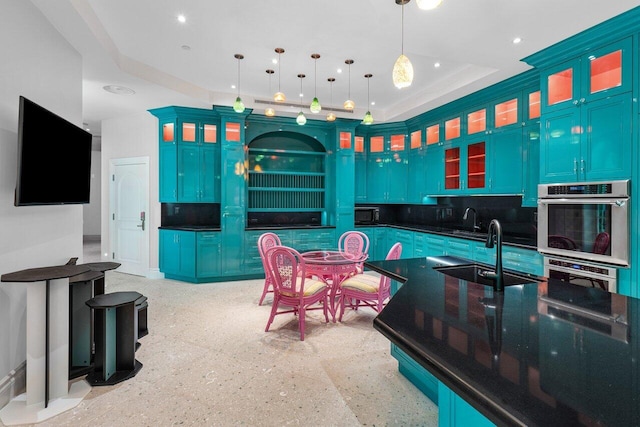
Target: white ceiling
[(139, 44)]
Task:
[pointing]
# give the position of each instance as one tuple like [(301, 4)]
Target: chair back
[(287, 269), (267, 241), (601, 244), (385, 282), (354, 243)]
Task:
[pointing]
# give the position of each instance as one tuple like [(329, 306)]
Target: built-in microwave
[(366, 215), (585, 220)]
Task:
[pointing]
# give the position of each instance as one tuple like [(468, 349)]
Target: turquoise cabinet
[(307, 240), (589, 142), (531, 164), (198, 161), (360, 169), (252, 260), (419, 245), (434, 169), (524, 260), (598, 74), (189, 155), (459, 247), (405, 238), (208, 250), (387, 166), (454, 411), (178, 254), (380, 243), (505, 161), (435, 245)]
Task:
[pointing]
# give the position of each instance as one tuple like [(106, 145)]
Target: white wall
[(39, 64), (132, 136), (91, 213)]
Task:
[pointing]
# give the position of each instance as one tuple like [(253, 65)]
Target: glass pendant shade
[(428, 4), (279, 97), (331, 117), (238, 106), (269, 112), (301, 119), (315, 106), (368, 118), (402, 72), (349, 105)]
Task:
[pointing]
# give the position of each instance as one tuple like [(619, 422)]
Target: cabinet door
[(606, 139), (405, 238), (560, 86), (188, 173), (531, 165), (168, 172), (460, 248), (209, 180), (475, 167), (252, 260), (169, 252), (560, 147), (506, 162), (208, 259), (376, 182), (419, 245), (395, 178), (435, 245), (381, 247), (360, 177), (607, 71), (434, 170), (417, 176), (452, 168)]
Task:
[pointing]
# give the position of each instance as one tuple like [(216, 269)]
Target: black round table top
[(102, 266), (114, 299), (44, 273)]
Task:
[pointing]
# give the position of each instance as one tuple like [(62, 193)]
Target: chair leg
[(265, 289), (301, 323), (274, 309), (324, 309)]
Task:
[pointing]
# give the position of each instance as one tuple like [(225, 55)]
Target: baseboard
[(154, 273), (13, 384)]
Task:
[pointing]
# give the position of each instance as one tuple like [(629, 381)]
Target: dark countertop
[(289, 227), (191, 227), (522, 242), (542, 353)]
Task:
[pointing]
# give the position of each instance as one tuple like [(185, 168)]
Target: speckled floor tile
[(208, 362)]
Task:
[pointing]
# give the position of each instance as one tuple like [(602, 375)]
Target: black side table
[(115, 338)]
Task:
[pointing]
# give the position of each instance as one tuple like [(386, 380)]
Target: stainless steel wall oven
[(585, 221)]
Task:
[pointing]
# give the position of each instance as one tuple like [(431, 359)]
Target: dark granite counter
[(191, 227), (518, 241), (289, 227), (541, 353)]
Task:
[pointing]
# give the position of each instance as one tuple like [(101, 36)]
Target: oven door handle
[(618, 202)]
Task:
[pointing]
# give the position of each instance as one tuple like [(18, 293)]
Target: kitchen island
[(539, 353)]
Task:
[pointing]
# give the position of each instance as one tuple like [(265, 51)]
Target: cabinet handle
[(582, 100), (575, 102), (490, 183), (575, 165), (582, 165)]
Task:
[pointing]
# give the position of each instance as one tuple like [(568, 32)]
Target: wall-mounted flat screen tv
[(54, 159)]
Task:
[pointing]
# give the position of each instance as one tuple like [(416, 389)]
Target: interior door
[(129, 215)]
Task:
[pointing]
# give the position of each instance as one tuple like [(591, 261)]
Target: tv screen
[(54, 158)]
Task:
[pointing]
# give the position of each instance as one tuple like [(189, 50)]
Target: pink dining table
[(332, 266)]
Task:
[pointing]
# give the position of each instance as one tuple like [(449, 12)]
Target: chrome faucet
[(476, 227), (495, 235)]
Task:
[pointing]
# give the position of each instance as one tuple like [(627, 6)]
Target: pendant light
[(368, 118), (269, 111), (315, 106), (428, 4), (349, 104), (331, 116), (279, 96), (402, 69), (301, 119), (238, 106)]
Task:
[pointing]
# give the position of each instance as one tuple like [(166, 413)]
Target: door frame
[(144, 161)]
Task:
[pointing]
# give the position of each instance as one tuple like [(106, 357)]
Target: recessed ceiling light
[(517, 40), (274, 61), (119, 90), (185, 47), (339, 70), (373, 102), (182, 19), (233, 86), (436, 65)]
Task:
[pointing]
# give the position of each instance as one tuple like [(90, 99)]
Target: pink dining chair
[(355, 243), (364, 290), (267, 241), (292, 288)]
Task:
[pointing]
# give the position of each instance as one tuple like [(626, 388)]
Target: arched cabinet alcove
[(287, 173)]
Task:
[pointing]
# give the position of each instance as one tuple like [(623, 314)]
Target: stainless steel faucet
[(476, 227), (495, 235)]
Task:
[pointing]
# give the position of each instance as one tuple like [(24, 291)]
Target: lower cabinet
[(178, 254), (454, 411), (208, 250)]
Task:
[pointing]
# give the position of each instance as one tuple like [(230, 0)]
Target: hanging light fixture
[(402, 69), (301, 119), (315, 106), (279, 96), (331, 116), (238, 106), (428, 4), (368, 118), (269, 111), (349, 104)]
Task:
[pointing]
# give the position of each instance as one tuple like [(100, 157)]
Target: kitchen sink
[(475, 273)]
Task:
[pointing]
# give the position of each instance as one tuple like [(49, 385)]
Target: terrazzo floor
[(208, 362)]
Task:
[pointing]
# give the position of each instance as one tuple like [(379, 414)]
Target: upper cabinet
[(387, 167), (189, 155), (596, 75), (587, 116)]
